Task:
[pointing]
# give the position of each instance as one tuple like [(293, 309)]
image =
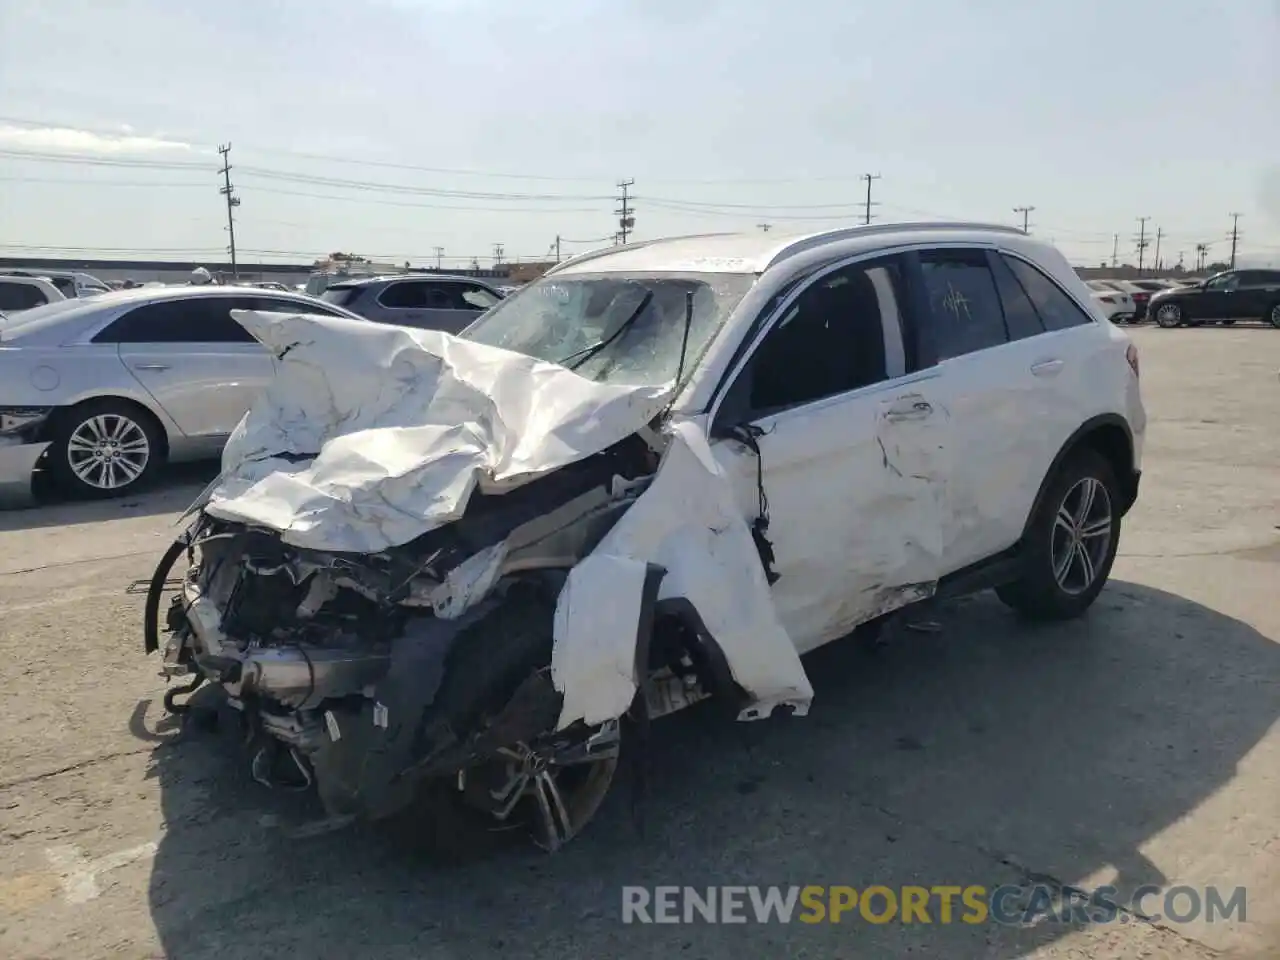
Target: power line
[(233, 201), (869, 177), (1025, 211)]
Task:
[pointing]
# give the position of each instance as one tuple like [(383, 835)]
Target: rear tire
[(105, 448), (1070, 543), (1273, 315), (1169, 315)]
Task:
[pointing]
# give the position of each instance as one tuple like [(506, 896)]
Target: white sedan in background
[(100, 392), (1115, 303)]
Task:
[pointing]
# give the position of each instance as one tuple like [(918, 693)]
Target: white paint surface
[(397, 427), (688, 523)]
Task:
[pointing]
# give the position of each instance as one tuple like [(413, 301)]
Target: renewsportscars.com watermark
[(974, 904)]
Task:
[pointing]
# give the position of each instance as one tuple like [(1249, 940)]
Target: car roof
[(74, 310), (756, 251), (386, 277)]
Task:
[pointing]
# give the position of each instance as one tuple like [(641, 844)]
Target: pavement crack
[(71, 768), (1031, 877), (71, 563)]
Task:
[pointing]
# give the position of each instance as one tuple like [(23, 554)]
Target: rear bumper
[(17, 468)]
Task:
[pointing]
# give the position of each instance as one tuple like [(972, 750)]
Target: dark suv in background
[(1226, 297), (434, 302)]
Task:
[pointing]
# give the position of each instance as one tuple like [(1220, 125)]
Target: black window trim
[(779, 307)]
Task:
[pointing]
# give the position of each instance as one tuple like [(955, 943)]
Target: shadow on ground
[(173, 491), (975, 755)]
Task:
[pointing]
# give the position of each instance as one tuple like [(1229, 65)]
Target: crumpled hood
[(371, 435)]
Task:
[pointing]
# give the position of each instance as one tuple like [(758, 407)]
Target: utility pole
[(625, 212), (1159, 234), (1143, 242), (497, 254), (1202, 251), (557, 248), (233, 201), (765, 226), (869, 177), (1115, 248), (439, 258), (1235, 237), (1026, 212), (1180, 259)]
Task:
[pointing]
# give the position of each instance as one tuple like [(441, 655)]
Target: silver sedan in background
[(101, 392)]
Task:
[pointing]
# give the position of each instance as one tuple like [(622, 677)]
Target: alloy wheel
[(108, 451), (1274, 316), (1169, 315), (1081, 535)]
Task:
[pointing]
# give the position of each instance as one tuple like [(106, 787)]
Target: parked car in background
[(677, 466), (270, 285), (69, 283), (432, 302), (101, 391), (18, 293), (1115, 303), (1225, 297)]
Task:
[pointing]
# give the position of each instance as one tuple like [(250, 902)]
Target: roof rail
[(842, 233), (604, 251)]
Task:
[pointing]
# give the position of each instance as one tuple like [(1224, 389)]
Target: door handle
[(1046, 368), (151, 366), (910, 408)]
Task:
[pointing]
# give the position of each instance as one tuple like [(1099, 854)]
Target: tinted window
[(964, 305), (342, 296), (1020, 315), (194, 320), (272, 305), (1056, 309), (420, 295), (20, 296), (66, 286), (841, 333), (1226, 281), (1258, 278)]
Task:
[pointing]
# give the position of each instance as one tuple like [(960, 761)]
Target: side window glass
[(196, 320), (1056, 309), (406, 295), (20, 296), (831, 340), (965, 314), (476, 298), (1020, 314)]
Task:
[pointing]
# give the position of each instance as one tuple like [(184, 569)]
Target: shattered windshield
[(621, 328)]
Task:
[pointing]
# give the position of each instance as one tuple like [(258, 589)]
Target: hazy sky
[(511, 122)]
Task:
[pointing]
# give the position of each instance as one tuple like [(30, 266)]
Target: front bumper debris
[(17, 470)]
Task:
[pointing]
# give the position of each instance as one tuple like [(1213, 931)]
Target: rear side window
[(342, 296), (475, 297), (1056, 309), (965, 313), (66, 286), (1020, 314), (196, 320), (20, 296)]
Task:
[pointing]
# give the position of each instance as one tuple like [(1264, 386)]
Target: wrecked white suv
[(464, 567)]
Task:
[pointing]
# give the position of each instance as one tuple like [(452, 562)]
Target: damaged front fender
[(687, 524)]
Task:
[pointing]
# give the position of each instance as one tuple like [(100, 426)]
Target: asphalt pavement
[(1136, 746)]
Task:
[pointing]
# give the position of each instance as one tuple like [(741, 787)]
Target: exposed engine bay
[(502, 653)]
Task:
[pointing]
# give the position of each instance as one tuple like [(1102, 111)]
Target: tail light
[(1141, 297), (1131, 354)]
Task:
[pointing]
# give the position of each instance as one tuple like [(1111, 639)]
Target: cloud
[(84, 141)]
